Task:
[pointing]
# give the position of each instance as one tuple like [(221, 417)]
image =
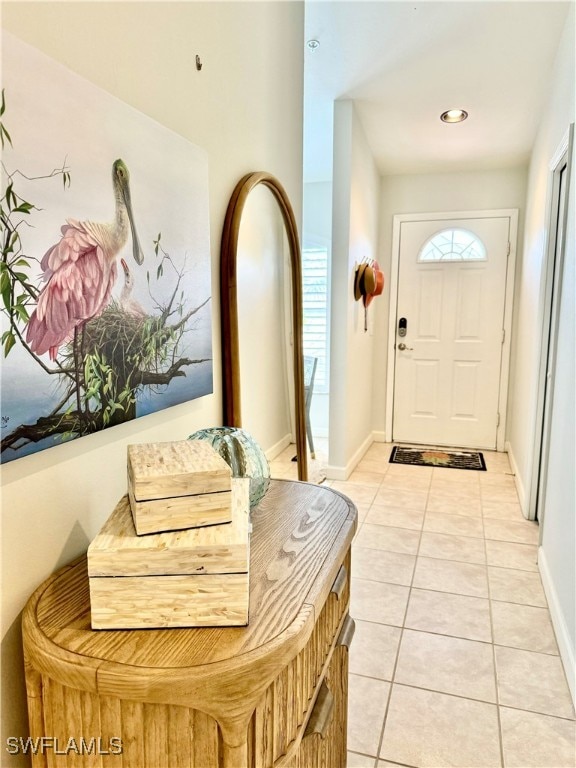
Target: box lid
[(118, 551), (181, 468)]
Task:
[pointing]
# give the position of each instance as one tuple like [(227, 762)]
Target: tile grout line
[(414, 687), (466, 698), (451, 559), (491, 600), (455, 594), (393, 676), (454, 637), (377, 488), (402, 633), (496, 690)]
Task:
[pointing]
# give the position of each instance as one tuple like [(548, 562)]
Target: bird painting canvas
[(80, 271), (105, 283)]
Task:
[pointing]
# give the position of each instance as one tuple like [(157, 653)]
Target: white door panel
[(446, 385)]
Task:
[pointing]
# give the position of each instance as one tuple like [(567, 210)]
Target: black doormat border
[(438, 457)]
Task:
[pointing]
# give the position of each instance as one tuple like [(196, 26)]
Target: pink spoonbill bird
[(80, 271), (127, 303)]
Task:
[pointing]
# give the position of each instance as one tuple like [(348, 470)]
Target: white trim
[(560, 151), (343, 473), (391, 357), (399, 219), (491, 213), (336, 473), (277, 448), (506, 347), (565, 643), (520, 490), (550, 287), (379, 437)]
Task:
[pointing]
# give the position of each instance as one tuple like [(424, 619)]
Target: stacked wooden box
[(175, 551), (178, 485)]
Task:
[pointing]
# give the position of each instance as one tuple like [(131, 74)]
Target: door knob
[(403, 348)]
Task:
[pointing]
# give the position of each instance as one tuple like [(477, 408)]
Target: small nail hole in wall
[(198, 63)]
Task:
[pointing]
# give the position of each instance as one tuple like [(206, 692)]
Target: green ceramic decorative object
[(242, 454)]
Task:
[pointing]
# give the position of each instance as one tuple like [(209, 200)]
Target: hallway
[(454, 661)]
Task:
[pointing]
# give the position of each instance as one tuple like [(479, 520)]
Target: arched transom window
[(453, 245)]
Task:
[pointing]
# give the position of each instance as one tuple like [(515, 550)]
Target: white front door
[(451, 300)]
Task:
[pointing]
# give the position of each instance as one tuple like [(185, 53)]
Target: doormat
[(436, 457)]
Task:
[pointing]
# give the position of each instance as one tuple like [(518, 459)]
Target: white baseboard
[(520, 490), (278, 447), (336, 473), (343, 473), (565, 643), (379, 437)]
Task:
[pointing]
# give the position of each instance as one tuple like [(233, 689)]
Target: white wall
[(317, 230), (317, 212), (557, 556), (558, 546), (245, 109), (264, 357), (556, 117), (424, 193), (356, 186)]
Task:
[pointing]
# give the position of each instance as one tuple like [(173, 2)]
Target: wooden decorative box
[(192, 578), (173, 486), (269, 695)]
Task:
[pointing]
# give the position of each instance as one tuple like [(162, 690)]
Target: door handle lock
[(403, 348)]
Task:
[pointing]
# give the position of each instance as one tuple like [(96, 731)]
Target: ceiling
[(404, 63)]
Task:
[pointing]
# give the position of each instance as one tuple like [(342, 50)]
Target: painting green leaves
[(105, 272)]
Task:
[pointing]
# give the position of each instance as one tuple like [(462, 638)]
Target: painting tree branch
[(102, 335)]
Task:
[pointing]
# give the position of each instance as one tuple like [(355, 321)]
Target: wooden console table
[(273, 693)]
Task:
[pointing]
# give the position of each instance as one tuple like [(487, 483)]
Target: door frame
[(399, 219), (549, 318)]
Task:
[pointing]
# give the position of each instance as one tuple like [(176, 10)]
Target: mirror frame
[(232, 408)]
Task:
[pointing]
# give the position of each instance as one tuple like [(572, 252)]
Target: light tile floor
[(454, 662)]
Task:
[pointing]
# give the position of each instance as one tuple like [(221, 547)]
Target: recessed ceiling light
[(313, 44), (454, 116)]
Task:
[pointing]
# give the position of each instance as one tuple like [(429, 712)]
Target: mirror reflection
[(261, 302), (264, 324)]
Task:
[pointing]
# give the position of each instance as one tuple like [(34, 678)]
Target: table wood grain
[(301, 536)]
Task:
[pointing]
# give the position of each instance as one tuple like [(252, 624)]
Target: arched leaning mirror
[(229, 307)]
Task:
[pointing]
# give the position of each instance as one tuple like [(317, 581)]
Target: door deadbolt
[(402, 326), (403, 348)]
